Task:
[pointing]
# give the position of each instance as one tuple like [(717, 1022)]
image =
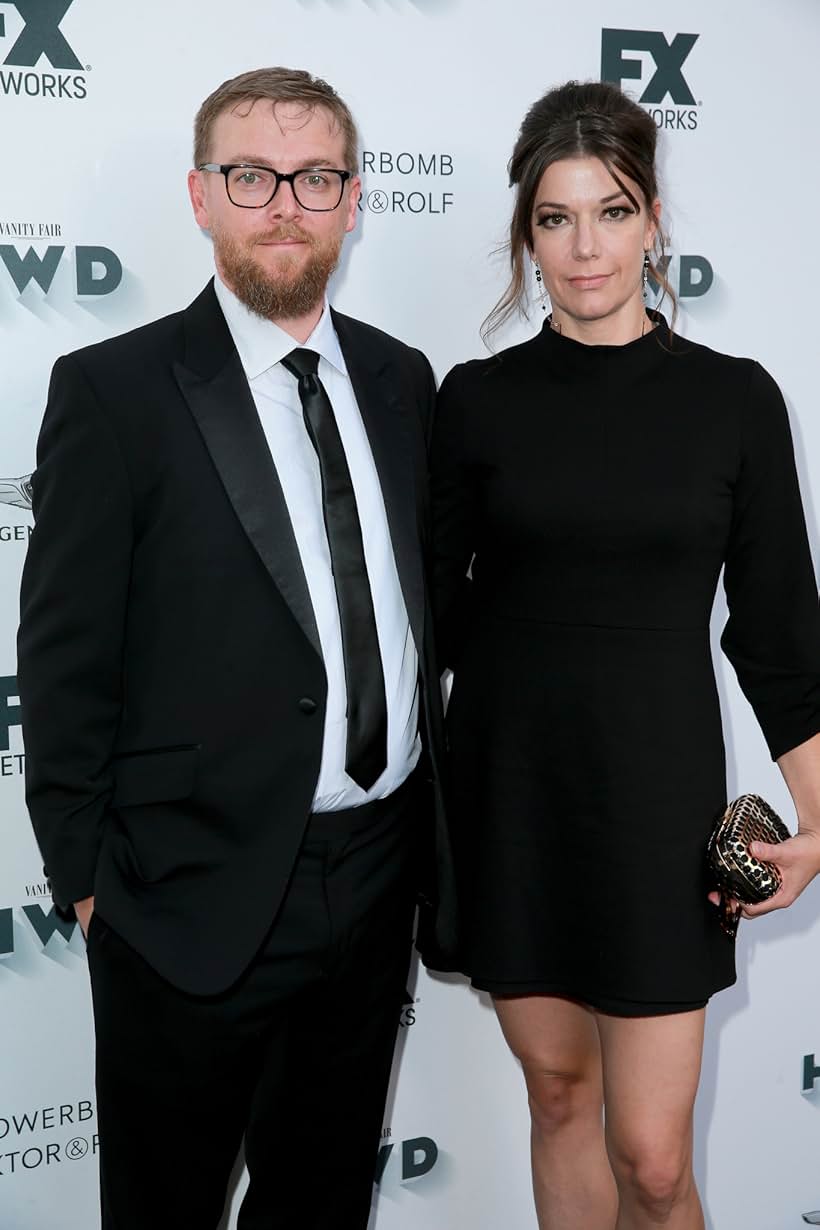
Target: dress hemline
[(609, 1005)]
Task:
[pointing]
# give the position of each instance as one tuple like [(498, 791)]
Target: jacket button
[(307, 704)]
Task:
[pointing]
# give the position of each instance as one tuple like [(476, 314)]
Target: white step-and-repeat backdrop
[(96, 236)]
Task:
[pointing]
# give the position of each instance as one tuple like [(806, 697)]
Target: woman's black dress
[(598, 491)]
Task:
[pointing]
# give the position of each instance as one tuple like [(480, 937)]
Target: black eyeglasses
[(250, 187)]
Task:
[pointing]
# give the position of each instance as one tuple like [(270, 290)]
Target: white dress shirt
[(261, 346)]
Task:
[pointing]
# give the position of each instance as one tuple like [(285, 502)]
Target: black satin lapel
[(387, 422), (226, 415)]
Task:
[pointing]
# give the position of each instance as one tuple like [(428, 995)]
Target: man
[(230, 709)]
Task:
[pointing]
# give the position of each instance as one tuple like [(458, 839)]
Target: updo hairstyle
[(592, 119)]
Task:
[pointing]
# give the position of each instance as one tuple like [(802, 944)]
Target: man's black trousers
[(295, 1057)]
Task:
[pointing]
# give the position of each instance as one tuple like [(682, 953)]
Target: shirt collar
[(261, 343)]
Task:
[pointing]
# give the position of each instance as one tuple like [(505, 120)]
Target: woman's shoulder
[(741, 369), (744, 378), (736, 386), (486, 371)]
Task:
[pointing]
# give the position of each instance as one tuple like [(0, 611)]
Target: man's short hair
[(276, 85)]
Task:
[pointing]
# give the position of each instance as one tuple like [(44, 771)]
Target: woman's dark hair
[(592, 119)]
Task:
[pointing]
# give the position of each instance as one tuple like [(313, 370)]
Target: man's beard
[(294, 290)]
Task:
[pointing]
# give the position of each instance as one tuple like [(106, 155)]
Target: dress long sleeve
[(772, 636), (455, 515)]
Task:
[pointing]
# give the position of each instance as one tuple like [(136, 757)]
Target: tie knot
[(302, 362)]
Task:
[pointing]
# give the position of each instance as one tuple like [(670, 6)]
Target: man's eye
[(249, 178)]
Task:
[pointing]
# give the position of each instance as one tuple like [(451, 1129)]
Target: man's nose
[(283, 203)]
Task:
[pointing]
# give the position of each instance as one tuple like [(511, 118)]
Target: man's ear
[(353, 202), (196, 191)]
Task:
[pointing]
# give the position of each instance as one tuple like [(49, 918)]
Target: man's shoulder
[(142, 342), (159, 341), (349, 328)]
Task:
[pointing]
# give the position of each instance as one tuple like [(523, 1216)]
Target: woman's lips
[(589, 283)]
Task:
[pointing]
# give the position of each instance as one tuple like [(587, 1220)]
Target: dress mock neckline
[(569, 350)]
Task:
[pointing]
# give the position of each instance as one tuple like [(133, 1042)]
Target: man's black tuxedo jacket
[(170, 675)]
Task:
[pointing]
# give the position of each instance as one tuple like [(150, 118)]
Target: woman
[(594, 480)]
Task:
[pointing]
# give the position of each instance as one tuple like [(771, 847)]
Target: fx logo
[(41, 34), (669, 58)]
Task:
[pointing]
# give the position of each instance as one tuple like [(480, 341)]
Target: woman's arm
[(798, 859), (454, 507), (773, 633)]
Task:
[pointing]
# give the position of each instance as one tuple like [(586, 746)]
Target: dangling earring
[(645, 275), (542, 290)]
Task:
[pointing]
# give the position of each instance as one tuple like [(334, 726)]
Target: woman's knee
[(656, 1177), (556, 1042), (560, 1098)]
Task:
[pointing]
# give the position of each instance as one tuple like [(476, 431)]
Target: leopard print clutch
[(739, 876)]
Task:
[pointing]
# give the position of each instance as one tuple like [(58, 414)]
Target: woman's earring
[(645, 275), (542, 290)]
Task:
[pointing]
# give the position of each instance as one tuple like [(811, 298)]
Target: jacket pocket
[(156, 776)]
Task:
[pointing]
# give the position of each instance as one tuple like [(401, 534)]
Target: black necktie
[(366, 755)]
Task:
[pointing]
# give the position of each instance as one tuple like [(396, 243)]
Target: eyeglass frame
[(224, 168)]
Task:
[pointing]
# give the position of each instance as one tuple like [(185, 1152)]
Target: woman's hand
[(797, 860)]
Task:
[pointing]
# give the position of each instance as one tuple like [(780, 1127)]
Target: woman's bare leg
[(556, 1041), (651, 1068)]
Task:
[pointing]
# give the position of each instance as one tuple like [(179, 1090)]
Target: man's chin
[(280, 285), (275, 261), (280, 298)]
